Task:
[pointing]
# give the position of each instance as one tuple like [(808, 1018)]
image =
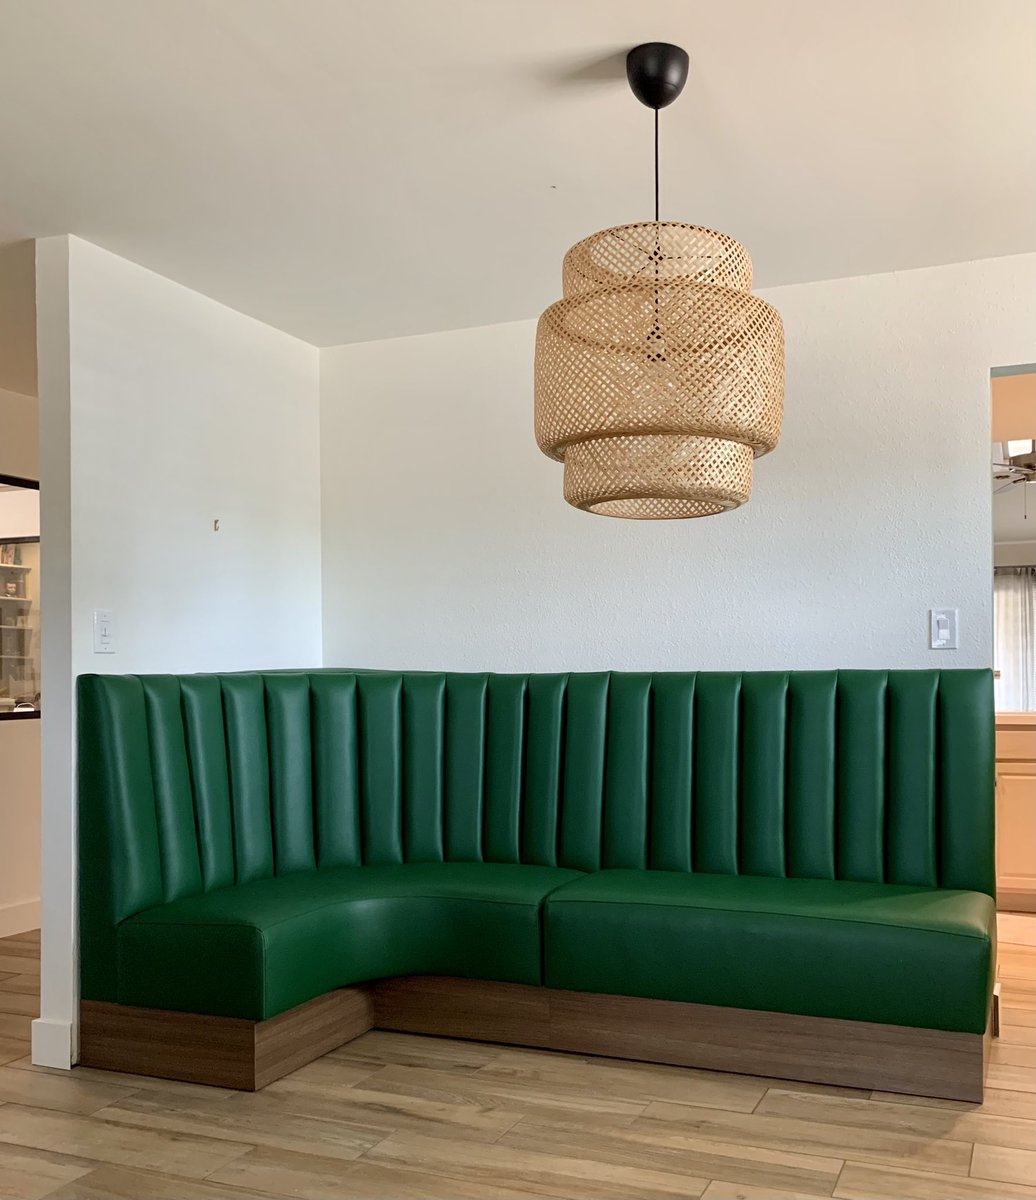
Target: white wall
[(447, 542), (177, 412), (1014, 513), (54, 1034), (18, 319), (1015, 554), (185, 412), (19, 512), (19, 435)]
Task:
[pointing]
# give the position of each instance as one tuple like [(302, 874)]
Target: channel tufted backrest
[(190, 783)]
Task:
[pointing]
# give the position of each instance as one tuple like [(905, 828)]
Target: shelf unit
[(19, 625)]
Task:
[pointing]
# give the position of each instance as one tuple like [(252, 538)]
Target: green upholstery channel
[(206, 802)]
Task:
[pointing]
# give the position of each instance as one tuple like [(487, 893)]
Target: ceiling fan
[(1013, 462)]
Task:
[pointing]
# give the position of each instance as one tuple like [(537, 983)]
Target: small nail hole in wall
[(215, 525)]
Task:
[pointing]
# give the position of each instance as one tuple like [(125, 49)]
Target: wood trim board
[(231, 1052), (289, 1041), (171, 1045), (1016, 899), (890, 1058)]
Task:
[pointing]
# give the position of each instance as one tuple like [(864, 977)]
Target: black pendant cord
[(656, 353), (656, 165)]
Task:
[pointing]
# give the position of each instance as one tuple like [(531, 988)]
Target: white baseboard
[(17, 918), (52, 1043)]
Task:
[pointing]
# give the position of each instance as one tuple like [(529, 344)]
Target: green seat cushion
[(889, 953), (263, 947)]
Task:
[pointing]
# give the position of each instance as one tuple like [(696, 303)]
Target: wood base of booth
[(231, 1052), (222, 1051)]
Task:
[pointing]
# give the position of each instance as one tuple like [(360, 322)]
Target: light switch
[(104, 631), (942, 628)]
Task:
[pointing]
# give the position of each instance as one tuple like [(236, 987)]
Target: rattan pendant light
[(659, 376)]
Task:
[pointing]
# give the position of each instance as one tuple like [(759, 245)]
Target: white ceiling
[(349, 170)]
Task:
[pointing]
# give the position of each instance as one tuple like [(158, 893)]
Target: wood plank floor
[(399, 1117)]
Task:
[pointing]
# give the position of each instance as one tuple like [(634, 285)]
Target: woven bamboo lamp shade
[(659, 376)]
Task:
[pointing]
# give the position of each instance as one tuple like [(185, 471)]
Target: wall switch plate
[(942, 628), (104, 631)]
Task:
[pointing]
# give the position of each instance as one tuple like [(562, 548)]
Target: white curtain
[(1014, 617)]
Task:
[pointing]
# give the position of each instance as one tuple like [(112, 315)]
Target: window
[(1014, 617)]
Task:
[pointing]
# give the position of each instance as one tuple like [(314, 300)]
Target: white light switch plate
[(942, 628), (104, 631)]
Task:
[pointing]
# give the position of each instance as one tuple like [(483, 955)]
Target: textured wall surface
[(184, 412), (447, 543)]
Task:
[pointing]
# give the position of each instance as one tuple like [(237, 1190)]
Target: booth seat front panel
[(888, 953)]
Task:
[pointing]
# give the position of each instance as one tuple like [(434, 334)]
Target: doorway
[(1013, 392)]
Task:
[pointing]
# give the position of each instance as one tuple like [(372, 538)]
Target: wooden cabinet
[(1016, 811)]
